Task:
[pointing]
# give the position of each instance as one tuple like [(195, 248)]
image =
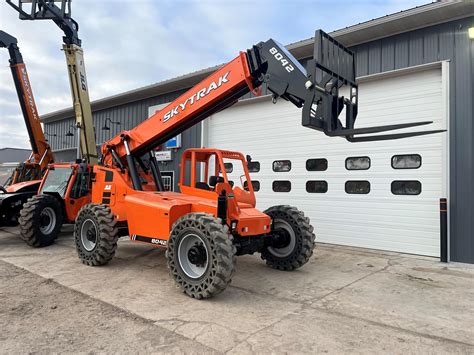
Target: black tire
[(212, 242), (41, 219), (95, 234), (296, 251)]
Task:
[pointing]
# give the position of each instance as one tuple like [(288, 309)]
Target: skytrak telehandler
[(86, 144), (26, 177), (210, 221)]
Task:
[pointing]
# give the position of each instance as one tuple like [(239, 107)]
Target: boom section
[(41, 151), (218, 91), (87, 148)]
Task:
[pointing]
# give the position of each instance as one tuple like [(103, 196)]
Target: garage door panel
[(378, 219)]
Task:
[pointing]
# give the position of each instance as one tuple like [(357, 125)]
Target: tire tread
[(108, 234), (305, 239)]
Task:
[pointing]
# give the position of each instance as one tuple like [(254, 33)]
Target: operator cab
[(71, 183), (204, 172)]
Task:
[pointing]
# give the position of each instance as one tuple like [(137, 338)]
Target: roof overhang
[(390, 25), (403, 21)]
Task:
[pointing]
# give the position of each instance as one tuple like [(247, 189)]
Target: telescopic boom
[(41, 151)]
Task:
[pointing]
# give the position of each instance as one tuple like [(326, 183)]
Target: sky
[(133, 43)]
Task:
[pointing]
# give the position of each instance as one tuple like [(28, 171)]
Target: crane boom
[(41, 151)]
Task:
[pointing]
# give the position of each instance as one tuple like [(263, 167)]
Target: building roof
[(389, 25)]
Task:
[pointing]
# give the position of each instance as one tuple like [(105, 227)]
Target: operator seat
[(202, 185), (214, 180)]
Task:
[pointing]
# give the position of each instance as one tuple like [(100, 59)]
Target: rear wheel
[(294, 239), (200, 254), (41, 219), (95, 234)]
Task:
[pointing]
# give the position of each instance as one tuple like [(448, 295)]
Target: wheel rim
[(89, 235), (286, 250), (47, 220), (193, 256)]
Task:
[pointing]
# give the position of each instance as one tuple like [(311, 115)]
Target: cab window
[(81, 185), (57, 181)]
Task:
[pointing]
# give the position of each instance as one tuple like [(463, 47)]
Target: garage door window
[(253, 166), (406, 187), (281, 166), (315, 186), (281, 186), (407, 161), (228, 168), (316, 164), (255, 184), (359, 187), (358, 163)]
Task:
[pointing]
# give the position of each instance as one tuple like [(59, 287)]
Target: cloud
[(129, 44)]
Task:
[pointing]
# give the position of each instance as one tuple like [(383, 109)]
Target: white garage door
[(358, 194)]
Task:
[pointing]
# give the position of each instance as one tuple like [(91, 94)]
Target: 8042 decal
[(155, 241)]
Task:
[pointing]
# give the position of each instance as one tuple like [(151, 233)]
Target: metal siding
[(388, 56), (64, 156), (375, 57), (14, 155), (446, 41), (462, 247), (430, 45), (401, 50), (415, 53), (362, 60)]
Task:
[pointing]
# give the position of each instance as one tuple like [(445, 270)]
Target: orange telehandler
[(26, 176), (210, 221)]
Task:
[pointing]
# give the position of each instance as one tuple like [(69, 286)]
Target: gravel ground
[(38, 315)]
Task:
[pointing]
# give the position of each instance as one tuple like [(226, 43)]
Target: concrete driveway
[(344, 300)]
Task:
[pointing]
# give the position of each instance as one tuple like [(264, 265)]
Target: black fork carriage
[(332, 67)]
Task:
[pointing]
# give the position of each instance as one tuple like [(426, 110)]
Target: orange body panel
[(22, 185)]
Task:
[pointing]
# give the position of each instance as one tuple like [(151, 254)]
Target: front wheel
[(200, 254), (95, 234), (293, 241), (41, 219)]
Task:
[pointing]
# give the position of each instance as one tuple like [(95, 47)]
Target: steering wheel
[(3, 190)]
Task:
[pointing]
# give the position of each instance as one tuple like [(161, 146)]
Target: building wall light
[(471, 33)]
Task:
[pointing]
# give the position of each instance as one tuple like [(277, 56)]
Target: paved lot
[(344, 300)]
